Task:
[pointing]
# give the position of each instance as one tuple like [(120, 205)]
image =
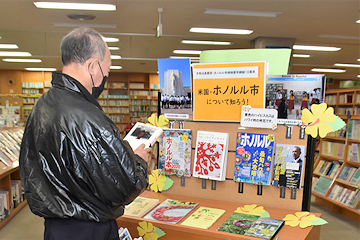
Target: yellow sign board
[(220, 89)]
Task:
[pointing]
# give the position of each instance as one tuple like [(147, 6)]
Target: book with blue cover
[(253, 159)]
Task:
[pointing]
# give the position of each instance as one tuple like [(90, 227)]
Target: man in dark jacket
[(76, 171)]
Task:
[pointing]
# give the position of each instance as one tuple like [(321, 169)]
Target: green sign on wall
[(350, 84)]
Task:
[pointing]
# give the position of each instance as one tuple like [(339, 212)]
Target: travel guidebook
[(211, 155), (204, 217), (143, 133), (288, 168), (175, 152), (238, 223), (171, 211), (140, 206), (265, 228), (253, 158)]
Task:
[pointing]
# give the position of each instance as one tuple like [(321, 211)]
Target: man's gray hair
[(298, 148), (80, 45)]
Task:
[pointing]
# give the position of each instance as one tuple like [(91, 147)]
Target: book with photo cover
[(210, 158), (143, 133), (253, 158), (265, 228), (171, 211), (238, 223), (203, 217), (140, 206), (175, 152)]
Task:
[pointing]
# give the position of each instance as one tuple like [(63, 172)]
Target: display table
[(180, 232)]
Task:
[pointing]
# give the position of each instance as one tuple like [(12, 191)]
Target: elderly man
[(76, 171)]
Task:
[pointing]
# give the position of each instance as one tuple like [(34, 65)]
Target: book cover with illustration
[(265, 228), (143, 133), (288, 165), (175, 152), (210, 158), (238, 223), (203, 217), (171, 211), (253, 157), (140, 206)]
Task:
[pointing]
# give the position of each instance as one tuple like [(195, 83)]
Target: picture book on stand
[(203, 217), (171, 211), (238, 223), (265, 228), (210, 158), (143, 133), (253, 157), (175, 152), (140, 206), (288, 167)]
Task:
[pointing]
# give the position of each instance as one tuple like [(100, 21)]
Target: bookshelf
[(338, 158)]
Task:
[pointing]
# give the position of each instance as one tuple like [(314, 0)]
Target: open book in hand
[(143, 133)]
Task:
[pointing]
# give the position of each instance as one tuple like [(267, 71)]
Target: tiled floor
[(27, 226)]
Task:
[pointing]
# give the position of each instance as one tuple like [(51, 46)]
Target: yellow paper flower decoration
[(251, 209), (157, 180), (321, 119), (303, 219), (146, 231), (156, 121)]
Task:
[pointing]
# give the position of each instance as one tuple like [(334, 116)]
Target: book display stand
[(226, 194)]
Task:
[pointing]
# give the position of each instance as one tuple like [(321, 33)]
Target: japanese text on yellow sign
[(220, 89)]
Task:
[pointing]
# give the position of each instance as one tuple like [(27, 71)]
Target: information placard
[(258, 117)]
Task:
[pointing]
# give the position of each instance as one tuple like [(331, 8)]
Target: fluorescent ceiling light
[(339, 36), (41, 69), (110, 39), (220, 30), (115, 57), (316, 48), (359, 59), (205, 42), (114, 48), (187, 52), (21, 60), (241, 13), (301, 55), (8, 46), (115, 67), (358, 76), (347, 65), (14, 54), (358, 21), (76, 6), (84, 25), (328, 70), (180, 57)]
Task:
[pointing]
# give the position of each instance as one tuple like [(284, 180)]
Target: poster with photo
[(290, 94), (175, 86)]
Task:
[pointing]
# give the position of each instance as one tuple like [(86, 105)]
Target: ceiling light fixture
[(358, 76), (110, 39), (241, 13), (14, 54), (76, 6), (21, 60), (358, 21), (358, 59), (41, 69), (347, 65), (328, 70), (316, 48), (114, 48), (74, 25), (301, 55), (115, 57), (81, 17), (115, 67), (196, 52), (8, 46), (205, 42), (220, 30), (180, 57)]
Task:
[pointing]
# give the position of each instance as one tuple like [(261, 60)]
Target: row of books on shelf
[(31, 91), (333, 149), (173, 211), (354, 152), (10, 199), (121, 110), (354, 129), (139, 93), (348, 173), (32, 85), (10, 147), (330, 99), (346, 98), (344, 195), (30, 99)]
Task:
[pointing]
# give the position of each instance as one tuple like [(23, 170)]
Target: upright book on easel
[(175, 152), (210, 158), (253, 158)]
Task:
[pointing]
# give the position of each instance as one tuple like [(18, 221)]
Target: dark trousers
[(66, 229)]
